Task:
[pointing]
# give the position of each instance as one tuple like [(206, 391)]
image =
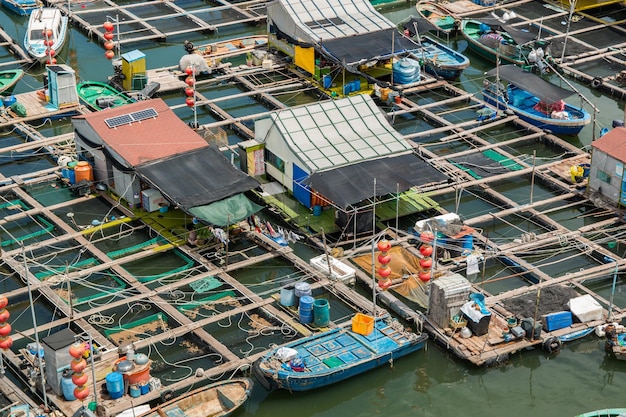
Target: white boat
[(46, 33)]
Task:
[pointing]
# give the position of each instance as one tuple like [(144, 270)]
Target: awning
[(421, 24), (196, 178), (226, 212), (531, 83), (355, 50), (521, 37), (354, 183)]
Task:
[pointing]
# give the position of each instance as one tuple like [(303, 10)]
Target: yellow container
[(362, 324)]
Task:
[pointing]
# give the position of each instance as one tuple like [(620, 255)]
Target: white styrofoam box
[(151, 200), (585, 308), (338, 270)]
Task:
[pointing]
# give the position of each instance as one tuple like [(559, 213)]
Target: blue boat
[(578, 334), (439, 60), (21, 7), (534, 100), (333, 356)]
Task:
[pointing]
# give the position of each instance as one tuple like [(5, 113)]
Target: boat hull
[(34, 42), (441, 61), (22, 8), (99, 96), (506, 54), (439, 16), (336, 356), (605, 412), (220, 399), (9, 79), (571, 126)]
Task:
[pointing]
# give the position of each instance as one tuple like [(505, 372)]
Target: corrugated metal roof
[(326, 19), (613, 143), (339, 132), (146, 140)]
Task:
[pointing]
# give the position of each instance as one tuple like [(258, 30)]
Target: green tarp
[(225, 212)]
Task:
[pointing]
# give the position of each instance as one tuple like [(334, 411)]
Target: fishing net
[(404, 266)]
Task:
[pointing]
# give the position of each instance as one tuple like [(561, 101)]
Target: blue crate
[(556, 321)]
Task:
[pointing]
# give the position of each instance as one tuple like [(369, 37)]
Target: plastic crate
[(362, 324)]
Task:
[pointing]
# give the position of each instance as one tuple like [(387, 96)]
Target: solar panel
[(126, 119)]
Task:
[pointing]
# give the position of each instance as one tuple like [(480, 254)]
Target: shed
[(62, 86), (606, 174), (331, 152)]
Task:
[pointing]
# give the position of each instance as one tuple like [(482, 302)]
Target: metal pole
[(37, 345), (397, 207), (532, 178), (93, 369), (373, 262), (613, 292)]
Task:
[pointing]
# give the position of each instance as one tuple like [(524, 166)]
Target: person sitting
[(192, 236)]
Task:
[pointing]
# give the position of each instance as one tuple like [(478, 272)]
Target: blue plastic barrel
[(72, 174), (317, 210), (347, 89), (468, 242), (145, 388), (67, 386), (357, 85), (305, 310), (327, 81), (321, 312), (115, 385), (134, 391)]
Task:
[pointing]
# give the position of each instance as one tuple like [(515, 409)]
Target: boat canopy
[(531, 83), (189, 179), (520, 36), (226, 212), (423, 25), (352, 184)]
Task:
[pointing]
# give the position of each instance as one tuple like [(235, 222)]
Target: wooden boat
[(335, 355), (21, 7), (579, 334), (8, 80), (438, 59), (534, 100), (495, 41), (44, 25), (227, 48), (99, 96), (606, 412), (436, 13), (220, 399)]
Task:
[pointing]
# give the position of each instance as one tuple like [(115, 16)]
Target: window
[(274, 161), (603, 176)]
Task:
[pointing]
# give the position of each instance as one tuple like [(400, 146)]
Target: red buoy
[(384, 271), (426, 250), (4, 315), (5, 329), (78, 364), (189, 81), (109, 45), (189, 70), (384, 245), (81, 392), (384, 284), (427, 236), (424, 276), (3, 301), (6, 342), (77, 349), (108, 26), (384, 258), (80, 378), (109, 54), (426, 263), (190, 101), (108, 36), (189, 92)]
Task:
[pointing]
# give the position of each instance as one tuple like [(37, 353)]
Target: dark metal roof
[(382, 44), (530, 82), (354, 183), (196, 178)]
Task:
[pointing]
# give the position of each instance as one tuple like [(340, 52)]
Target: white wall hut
[(331, 152), (607, 175)]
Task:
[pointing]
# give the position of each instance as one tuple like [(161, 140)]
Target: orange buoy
[(424, 276), (80, 379), (190, 101), (77, 349), (108, 36), (108, 26), (109, 45), (426, 250), (384, 245), (426, 263), (3, 301), (5, 329), (109, 54), (6, 342), (81, 392), (78, 364), (384, 258), (4, 315)]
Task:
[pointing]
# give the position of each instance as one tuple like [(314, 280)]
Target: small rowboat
[(8, 80), (99, 96), (227, 48)]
